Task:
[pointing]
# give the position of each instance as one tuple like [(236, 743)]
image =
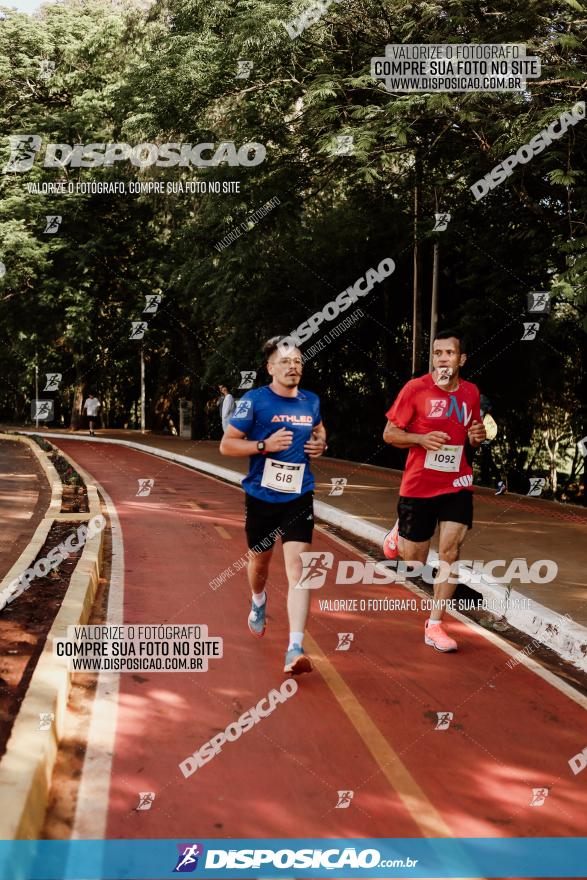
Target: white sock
[(295, 639), (431, 622), (259, 598)]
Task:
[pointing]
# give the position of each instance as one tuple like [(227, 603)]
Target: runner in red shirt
[(434, 416)]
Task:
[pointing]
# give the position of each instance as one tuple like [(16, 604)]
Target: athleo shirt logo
[(294, 420)]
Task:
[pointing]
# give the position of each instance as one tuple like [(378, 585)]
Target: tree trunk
[(553, 472), (434, 303), (390, 382), (417, 283), (199, 416), (552, 449), (573, 470)]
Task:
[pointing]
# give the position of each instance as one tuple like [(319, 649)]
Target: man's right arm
[(235, 444), (402, 439), (402, 410)]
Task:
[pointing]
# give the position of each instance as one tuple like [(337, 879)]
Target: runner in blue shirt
[(280, 427)]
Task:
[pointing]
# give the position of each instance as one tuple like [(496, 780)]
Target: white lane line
[(91, 814)]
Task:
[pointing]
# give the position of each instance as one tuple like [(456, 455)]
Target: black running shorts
[(265, 521), (418, 517)]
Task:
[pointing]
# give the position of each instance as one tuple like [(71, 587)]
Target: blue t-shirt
[(260, 413)]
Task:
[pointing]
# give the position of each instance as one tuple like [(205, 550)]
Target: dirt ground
[(24, 624)]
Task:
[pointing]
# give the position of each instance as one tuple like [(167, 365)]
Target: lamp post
[(36, 393), (434, 303), (143, 421)]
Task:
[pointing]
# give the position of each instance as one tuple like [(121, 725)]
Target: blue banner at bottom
[(553, 857)]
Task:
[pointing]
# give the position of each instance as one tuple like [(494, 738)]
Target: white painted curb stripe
[(93, 798)]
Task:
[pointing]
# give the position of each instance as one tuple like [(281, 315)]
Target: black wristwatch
[(261, 446)]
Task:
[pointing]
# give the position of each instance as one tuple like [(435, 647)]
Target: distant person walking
[(92, 406), (226, 405)]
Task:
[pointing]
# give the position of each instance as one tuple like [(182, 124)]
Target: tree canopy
[(172, 72)]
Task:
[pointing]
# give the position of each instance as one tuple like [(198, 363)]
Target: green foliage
[(168, 73)]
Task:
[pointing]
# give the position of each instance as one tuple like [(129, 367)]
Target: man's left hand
[(315, 446), (477, 433)]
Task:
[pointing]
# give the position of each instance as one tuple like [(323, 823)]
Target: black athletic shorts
[(418, 517), (265, 521)]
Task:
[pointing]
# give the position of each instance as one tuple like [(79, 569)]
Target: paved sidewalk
[(506, 527)]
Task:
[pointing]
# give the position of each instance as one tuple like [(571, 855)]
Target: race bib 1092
[(447, 458)]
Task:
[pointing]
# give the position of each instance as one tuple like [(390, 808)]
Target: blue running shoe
[(296, 661), (256, 620)]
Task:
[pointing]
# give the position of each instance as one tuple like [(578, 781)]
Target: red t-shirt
[(421, 407)]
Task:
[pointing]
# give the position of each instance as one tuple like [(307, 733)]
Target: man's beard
[(288, 381)]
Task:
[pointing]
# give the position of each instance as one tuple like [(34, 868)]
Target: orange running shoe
[(390, 543), (435, 636)]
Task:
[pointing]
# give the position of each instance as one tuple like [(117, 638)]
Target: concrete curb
[(39, 537), (27, 765), (557, 632)]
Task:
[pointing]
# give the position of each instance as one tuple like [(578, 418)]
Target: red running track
[(363, 721)]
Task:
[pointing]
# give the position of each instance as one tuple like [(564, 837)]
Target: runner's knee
[(260, 561), (413, 552), (449, 552)]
